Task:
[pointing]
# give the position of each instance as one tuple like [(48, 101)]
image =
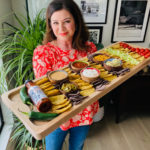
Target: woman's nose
[(61, 27)]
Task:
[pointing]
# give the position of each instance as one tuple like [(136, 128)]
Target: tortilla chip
[(87, 92), (42, 80), (83, 84), (63, 109), (55, 107), (52, 92), (58, 99), (49, 88), (85, 87), (110, 78), (74, 76)]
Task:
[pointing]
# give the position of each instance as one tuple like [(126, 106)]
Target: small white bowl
[(90, 74)]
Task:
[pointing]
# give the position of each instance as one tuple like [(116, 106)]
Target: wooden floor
[(132, 133)]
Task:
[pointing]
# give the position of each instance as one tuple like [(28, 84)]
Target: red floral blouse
[(48, 58)]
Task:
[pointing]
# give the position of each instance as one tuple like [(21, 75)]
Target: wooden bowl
[(69, 89), (111, 67), (78, 65), (101, 57), (57, 76), (89, 74)]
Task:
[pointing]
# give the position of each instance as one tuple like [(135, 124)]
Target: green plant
[(16, 51), (17, 48), (23, 139)]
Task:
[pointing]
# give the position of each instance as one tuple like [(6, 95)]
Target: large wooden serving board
[(39, 129)]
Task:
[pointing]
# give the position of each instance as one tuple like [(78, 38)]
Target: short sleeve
[(41, 61)]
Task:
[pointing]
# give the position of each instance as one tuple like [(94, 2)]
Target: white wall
[(35, 6), (19, 8), (5, 13)]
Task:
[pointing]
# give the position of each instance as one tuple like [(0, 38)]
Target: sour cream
[(90, 73)]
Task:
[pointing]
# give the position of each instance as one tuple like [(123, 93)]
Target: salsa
[(80, 65)]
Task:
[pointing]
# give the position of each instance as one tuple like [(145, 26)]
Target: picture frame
[(130, 21), (95, 34), (94, 11)]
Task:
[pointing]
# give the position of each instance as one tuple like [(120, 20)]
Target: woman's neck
[(64, 45)]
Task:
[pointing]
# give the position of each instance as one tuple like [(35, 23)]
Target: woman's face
[(63, 25)]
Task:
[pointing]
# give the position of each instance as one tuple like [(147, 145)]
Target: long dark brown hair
[(81, 34)]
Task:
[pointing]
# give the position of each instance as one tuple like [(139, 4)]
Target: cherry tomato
[(137, 50), (147, 50), (129, 47), (142, 54), (142, 50), (147, 55), (133, 49)]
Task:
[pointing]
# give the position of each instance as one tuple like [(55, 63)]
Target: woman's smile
[(63, 34)]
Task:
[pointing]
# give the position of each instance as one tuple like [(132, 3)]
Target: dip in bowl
[(57, 76), (113, 64), (78, 65), (100, 57), (90, 74)]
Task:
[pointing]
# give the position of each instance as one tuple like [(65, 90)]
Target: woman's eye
[(67, 21), (55, 22)]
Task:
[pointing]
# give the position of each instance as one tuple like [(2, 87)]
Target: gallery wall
[(19, 7), (36, 5)]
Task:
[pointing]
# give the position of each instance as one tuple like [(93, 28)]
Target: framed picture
[(94, 11), (95, 34), (130, 20)]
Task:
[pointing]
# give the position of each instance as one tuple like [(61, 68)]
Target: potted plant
[(16, 51)]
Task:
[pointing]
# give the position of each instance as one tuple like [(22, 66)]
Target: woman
[(65, 41)]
